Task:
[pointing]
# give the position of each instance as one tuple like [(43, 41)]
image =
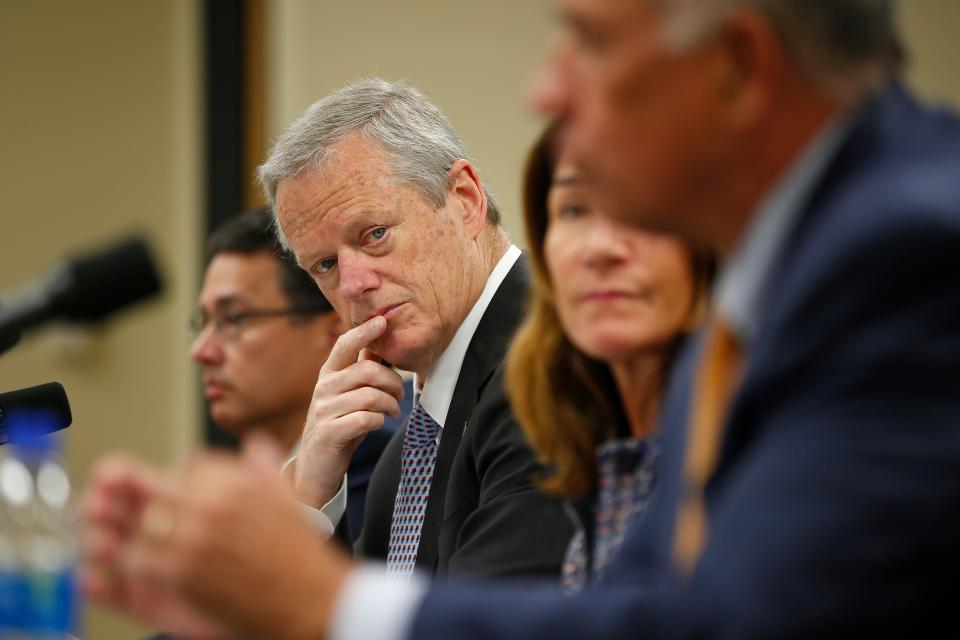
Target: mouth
[(214, 389), (387, 312), (605, 296)]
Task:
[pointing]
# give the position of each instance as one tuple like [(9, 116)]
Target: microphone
[(85, 289), (34, 411)]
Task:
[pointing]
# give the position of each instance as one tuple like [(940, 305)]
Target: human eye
[(567, 206), (572, 210), (376, 234), (232, 318), (325, 265), (588, 37)]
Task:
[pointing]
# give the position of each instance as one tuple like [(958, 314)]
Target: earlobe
[(466, 187)]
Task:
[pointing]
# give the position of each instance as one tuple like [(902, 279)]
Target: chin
[(609, 347), (225, 419), (401, 348)]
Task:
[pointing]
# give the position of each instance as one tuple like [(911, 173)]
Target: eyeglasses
[(230, 324)]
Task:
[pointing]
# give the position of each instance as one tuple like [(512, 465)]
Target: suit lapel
[(486, 350)]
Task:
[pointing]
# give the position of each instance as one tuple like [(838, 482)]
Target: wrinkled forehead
[(321, 200)]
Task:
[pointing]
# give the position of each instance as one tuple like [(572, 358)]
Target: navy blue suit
[(835, 507)]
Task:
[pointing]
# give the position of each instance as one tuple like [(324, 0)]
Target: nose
[(604, 245), (357, 278), (206, 348)]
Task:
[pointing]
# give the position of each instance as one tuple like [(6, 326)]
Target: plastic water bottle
[(38, 551), (12, 583)]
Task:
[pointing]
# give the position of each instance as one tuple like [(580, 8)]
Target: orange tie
[(718, 374)]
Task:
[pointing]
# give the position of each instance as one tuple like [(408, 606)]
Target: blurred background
[(150, 116)]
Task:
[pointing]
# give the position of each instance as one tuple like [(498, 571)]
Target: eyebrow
[(567, 181), (576, 21), (226, 301)]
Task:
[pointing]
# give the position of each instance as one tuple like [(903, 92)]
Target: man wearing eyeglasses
[(263, 330)]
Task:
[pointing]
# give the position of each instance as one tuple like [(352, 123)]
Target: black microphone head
[(8, 338), (96, 285), (34, 411)]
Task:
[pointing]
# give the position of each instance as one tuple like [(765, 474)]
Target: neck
[(767, 154), (639, 381), (285, 430), (490, 246)]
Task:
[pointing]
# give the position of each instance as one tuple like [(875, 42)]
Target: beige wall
[(930, 28), (98, 137), (473, 59)]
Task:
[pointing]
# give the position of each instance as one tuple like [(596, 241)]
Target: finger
[(368, 354), (151, 554), (148, 564), (347, 349), (100, 585), (116, 510), (364, 373), (358, 424), (101, 545), (121, 482), (363, 399)]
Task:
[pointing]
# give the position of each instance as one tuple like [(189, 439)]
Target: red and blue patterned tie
[(417, 460)]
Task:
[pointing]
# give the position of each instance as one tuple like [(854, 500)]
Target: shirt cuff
[(326, 518), (369, 589)]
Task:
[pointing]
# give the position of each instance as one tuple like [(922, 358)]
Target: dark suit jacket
[(483, 516), (835, 509)]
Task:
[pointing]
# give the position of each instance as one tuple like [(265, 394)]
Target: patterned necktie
[(417, 460), (718, 375)]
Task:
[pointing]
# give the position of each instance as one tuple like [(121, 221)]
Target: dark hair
[(252, 232)]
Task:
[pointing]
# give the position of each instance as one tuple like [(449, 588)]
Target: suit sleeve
[(512, 529), (838, 513)]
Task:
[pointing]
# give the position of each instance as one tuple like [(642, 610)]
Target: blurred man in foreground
[(808, 481)]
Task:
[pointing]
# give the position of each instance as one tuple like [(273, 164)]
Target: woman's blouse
[(625, 479)]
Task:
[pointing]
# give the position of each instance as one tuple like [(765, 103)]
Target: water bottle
[(40, 554), (12, 579)]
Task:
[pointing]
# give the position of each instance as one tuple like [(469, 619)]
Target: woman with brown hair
[(586, 371)]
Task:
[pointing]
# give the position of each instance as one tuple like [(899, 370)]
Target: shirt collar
[(438, 387), (741, 284)]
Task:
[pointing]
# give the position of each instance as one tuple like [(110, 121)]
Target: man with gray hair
[(374, 195), (375, 198), (808, 483)]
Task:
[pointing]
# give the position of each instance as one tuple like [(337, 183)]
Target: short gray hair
[(847, 47), (415, 134)]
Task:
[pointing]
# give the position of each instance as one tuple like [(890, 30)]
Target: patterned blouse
[(626, 476)]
